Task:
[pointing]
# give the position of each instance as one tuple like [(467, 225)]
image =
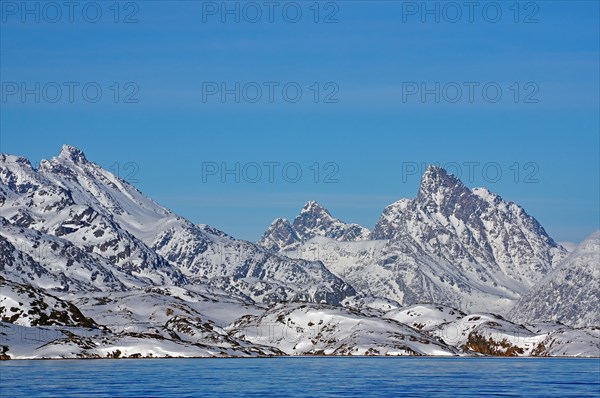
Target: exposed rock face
[(27, 306)]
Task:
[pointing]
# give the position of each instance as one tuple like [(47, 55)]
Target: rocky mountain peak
[(313, 220), (120, 238), (438, 185), (313, 207), (72, 153), (280, 222), (313, 215)]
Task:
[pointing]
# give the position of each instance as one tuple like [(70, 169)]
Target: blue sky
[(169, 134)]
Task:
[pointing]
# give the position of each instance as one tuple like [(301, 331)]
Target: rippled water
[(304, 377)]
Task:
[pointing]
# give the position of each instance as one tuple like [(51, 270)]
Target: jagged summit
[(438, 177), (438, 187), (312, 216), (313, 207), (72, 153), (313, 220), (18, 175), (470, 239)]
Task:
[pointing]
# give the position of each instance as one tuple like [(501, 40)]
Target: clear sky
[(397, 85)]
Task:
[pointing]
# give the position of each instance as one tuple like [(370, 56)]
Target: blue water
[(303, 377)]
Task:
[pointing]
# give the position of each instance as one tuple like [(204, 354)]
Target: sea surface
[(303, 377)]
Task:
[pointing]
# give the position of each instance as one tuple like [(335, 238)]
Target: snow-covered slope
[(21, 342), (570, 293), (53, 263), (491, 334), (313, 221), (154, 321), (201, 321), (65, 198), (25, 305), (563, 341), (425, 317), (153, 307), (309, 329)]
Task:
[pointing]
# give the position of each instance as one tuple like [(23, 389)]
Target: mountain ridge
[(73, 199)]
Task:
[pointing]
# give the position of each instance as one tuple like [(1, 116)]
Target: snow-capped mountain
[(465, 248), (72, 199), (461, 225), (313, 220), (450, 245), (570, 293), (65, 198), (92, 268)]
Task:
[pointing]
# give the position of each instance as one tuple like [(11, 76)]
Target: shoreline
[(449, 357)]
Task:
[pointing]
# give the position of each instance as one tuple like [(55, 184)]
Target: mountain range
[(451, 245), (101, 270)]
